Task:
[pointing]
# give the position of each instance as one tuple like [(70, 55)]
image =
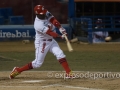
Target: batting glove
[(62, 36), (62, 30)]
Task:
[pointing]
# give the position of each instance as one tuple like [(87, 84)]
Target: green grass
[(99, 57), (78, 61)]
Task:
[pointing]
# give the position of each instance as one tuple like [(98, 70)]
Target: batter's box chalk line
[(74, 87), (53, 85), (33, 81)]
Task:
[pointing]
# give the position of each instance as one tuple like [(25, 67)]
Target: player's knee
[(36, 65), (60, 55)]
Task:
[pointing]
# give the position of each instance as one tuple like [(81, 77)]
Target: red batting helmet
[(39, 9)]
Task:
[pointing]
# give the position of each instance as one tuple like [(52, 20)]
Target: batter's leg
[(40, 55), (55, 49), (65, 65)]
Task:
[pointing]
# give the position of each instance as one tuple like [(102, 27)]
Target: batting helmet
[(39, 9)]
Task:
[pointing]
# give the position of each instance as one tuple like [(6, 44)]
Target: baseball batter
[(44, 25)]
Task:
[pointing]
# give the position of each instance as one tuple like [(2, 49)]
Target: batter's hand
[(62, 36), (62, 30)]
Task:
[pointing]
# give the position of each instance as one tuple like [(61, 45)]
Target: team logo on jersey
[(43, 29)]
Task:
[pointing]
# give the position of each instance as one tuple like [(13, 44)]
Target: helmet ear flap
[(36, 12)]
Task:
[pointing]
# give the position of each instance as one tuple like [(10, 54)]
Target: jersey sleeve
[(46, 30), (52, 19), (51, 33), (49, 15)]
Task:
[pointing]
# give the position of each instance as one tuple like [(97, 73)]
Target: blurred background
[(25, 9), (78, 17)]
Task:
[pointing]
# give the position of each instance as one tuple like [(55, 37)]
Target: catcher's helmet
[(39, 9), (99, 21)]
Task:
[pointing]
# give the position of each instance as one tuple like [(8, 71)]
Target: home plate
[(33, 81)]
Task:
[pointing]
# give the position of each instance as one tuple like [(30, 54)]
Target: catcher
[(99, 36)]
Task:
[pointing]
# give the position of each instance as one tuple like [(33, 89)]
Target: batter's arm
[(53, 34), (58, 25), (54, 21)]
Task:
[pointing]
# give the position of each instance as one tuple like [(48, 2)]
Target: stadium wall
[(23, 32)]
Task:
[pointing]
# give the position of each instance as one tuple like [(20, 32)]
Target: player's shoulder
[(48, 14)]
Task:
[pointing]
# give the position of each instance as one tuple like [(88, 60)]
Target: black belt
[(47, 39)]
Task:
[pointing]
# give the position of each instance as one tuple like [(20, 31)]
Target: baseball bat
[(70, 49)]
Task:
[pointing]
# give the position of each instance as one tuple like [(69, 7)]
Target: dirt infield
[(48, 80)]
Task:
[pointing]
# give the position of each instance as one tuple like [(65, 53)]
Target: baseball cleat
[(14, 72), (70, 75)]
